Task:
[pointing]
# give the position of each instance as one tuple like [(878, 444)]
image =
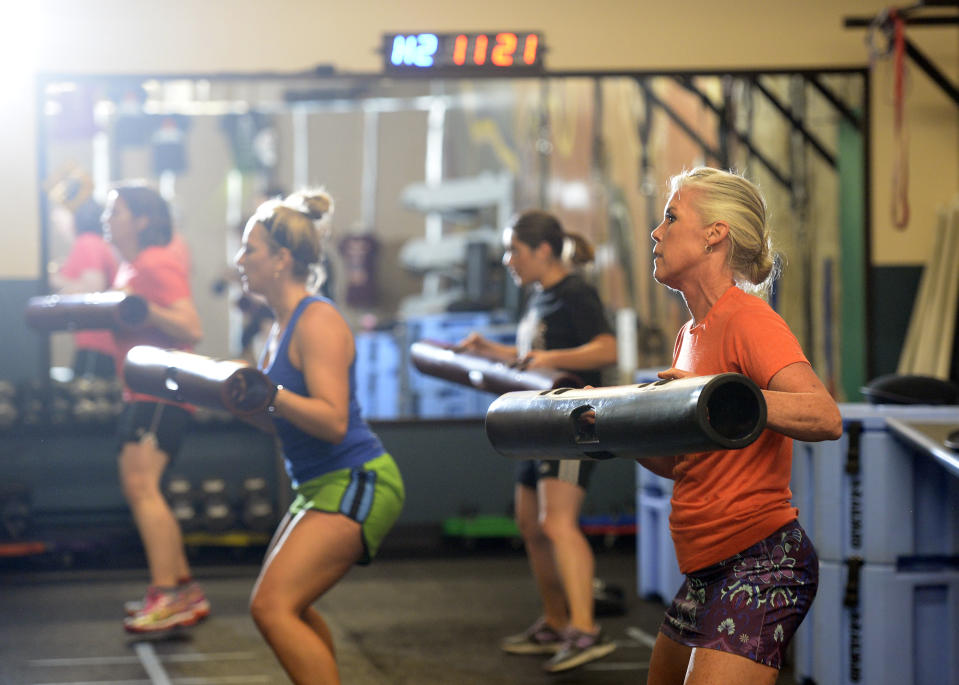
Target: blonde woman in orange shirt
[(751, 570)]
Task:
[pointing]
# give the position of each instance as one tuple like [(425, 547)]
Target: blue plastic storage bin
[(883, 501), (437, 398), (377, 371), (649, 481), (903, 630), (452, 327), (647, 375), (658, 575), (646, 479)]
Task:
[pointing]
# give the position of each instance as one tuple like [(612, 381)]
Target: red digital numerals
[(505, 50)]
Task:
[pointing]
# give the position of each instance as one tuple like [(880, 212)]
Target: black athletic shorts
[(167, 421), (528, 472)]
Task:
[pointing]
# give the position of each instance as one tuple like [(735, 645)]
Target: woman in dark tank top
[(564, 327)]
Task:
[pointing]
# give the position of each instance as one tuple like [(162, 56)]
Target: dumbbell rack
[(70, 471)]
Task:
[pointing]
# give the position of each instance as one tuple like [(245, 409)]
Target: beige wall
[(197, 36)]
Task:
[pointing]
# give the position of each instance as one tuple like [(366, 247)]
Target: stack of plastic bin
[(377, 370), (658, 576), (884, 518), (438, 398)]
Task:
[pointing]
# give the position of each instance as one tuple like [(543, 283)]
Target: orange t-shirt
[(159, 275), (726, 501)]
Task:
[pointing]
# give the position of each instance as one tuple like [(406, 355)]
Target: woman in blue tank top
[(348, 489)]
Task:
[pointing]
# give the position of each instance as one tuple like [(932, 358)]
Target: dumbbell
[(82, 386), (114, 395), (30, 397), (8, 415), (83, 408), (61, 405), (16, 511), (101, 391), (258, 512), (8, 391), (179, 494), (216, 511), (8, 406)]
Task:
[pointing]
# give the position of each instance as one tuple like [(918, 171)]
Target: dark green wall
[(894, 290), (22, 350)]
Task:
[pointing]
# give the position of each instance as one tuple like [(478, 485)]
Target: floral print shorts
[(750, 604)]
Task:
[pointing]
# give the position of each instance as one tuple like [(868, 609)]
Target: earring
[(708, 248)]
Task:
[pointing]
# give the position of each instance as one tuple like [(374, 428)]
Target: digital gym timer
[(475, 53)]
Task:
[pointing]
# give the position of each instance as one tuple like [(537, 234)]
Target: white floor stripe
[(216, 680), (118, 660), (618, 666), (85, 661), (152, 665), (225, 680), (98, 682), (212, 656), (641, 636)]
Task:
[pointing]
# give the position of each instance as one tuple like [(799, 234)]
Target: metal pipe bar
[(111, 310), (679, 121), (932, 72), (834, 100), (224, 385), (923, 62), (941, 20), (743, 138), (442, 360), (796, 123), (726, 411)]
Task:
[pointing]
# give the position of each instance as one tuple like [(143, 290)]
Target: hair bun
[(316, 204)]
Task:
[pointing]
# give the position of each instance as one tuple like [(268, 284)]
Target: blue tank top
[(307, 456)]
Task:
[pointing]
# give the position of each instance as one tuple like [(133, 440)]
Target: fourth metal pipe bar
[(666, 418)]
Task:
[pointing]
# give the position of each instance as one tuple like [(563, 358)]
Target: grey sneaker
[(579, 648), (539, 638)]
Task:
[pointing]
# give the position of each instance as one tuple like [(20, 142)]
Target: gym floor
[(408, 618)]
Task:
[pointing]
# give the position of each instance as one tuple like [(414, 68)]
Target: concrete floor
[(422, 619)]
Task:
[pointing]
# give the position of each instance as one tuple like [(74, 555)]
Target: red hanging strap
[(900, 167)]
